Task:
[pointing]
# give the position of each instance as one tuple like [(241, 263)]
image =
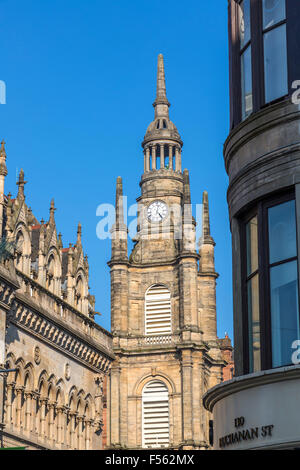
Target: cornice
[(62, 302), (261, 161), (55, 333), (265, 119), (238, 384), (161, 174)]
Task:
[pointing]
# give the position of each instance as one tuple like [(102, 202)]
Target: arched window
[(158, 319), (155, 420)]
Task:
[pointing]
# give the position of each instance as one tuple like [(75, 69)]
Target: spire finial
[(52, 210), (119, 203), (3, 147), (60, 243), (21, 183), (79, 230), (3, 169), (206, 236), (186, 187), (161, 104)]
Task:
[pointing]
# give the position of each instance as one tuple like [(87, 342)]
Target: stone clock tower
[(163, 304)]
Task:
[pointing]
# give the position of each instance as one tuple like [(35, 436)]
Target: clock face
[(157, 211)]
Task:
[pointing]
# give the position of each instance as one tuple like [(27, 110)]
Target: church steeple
[(162, 143), (161, 104)]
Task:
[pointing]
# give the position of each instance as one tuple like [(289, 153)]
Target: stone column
[(9, 392), (34, 415), (88, 426), (153, 157), (187, 397), (178, 159), (19, 391), (115, 405), (67, 427), (162, 156), (43, 417), (80, 421), (59, 419), (147, 166), (73, 442), (188, 269), (51, 421), (28, 410), (171, 157)]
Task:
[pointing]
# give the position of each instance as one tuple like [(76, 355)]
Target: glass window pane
[(275, 62), (282, 232), (284, 312), (254, 324), (246, 77), (252, 247), (244, 22), (273, 12)]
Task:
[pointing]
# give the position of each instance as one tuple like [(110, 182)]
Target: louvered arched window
[(158, 319), (155, 415)]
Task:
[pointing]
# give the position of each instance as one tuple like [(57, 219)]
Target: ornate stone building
[(163, 304), (75, 385), (54, 399)]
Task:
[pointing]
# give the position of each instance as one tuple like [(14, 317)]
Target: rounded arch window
[(158, 315), (155, 420)]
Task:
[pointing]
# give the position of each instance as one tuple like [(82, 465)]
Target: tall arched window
[(158, 319), (155, 415)]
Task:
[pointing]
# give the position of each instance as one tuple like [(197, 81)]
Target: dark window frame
[(292, 22), (264, 267)]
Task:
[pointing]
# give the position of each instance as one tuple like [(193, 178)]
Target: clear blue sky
[(80, 77)]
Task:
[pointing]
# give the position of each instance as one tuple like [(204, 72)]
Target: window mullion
[(264, 299), (257, 55)]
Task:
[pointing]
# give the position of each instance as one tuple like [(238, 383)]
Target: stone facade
[(48, 335), (187, 360), (74, 385)]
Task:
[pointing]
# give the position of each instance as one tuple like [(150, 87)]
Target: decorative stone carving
[(37, 355), (67, 371)]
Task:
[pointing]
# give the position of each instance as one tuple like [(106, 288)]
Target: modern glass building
[(259, 408)]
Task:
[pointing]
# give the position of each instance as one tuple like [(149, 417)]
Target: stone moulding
[(53, 334), (245, 382)]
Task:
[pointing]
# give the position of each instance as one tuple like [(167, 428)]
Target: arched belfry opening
[(158, 315), (155, 420)]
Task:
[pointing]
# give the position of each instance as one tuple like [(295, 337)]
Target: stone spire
[(189, 235), (186, 188), (206, 236), (79, 231), (60, 243), (52, 210), (3, 169), (161, 104), (119, 203), (119, 229), (162, 138), (21, 183)]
